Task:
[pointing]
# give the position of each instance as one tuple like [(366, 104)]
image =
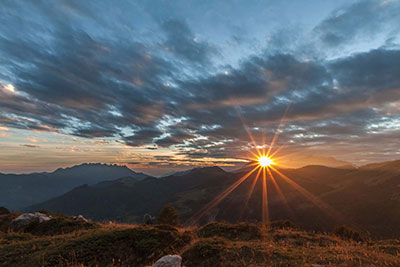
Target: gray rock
[(80, 218), (28, 218), (169, 261)]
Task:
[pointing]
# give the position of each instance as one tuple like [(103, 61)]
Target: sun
[(265, 161)]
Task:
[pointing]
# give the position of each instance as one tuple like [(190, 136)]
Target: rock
[(28, 218), (169, 261), (80, 218)]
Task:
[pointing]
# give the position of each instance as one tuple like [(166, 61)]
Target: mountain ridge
[(348, 191), (20, 190)]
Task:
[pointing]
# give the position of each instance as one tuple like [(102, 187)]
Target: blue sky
[(164, 85)]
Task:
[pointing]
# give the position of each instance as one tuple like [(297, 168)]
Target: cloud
[(30, 146), (143, 136), (4, 134), (361, 20), (72, 72), (184, 44)]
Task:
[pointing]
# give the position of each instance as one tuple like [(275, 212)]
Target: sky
[(165, 85)]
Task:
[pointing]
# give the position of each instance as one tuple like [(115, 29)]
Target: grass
[(215, 244), (241, 231)]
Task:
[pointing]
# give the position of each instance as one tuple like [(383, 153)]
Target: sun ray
[(330, 211), (265, 214), (219, 198), (253, 163), (250, 191), (248, 131), (263, 142), (277, 129), (280, 193), (254, 154), (277, 151)]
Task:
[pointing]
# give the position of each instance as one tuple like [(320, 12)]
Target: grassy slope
[(215, 244)]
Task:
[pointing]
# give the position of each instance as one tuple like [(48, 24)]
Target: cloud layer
[(145, 79)]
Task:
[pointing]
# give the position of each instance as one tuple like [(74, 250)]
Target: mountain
[(315, 197), (392, 166), (119, 201), (298, 161), (21, 190)]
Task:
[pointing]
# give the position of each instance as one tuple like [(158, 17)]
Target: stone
[(80, 218), (28, 218), (169, 261)]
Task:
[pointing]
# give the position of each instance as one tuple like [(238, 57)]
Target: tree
[(168, 215)]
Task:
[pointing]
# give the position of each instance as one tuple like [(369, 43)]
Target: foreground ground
[(65, 242)]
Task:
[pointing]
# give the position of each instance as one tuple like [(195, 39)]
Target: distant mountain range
[(368, 198), (22, 190), (298, 161)]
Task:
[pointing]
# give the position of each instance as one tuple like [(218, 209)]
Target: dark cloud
[(30, 146), (142, 137), (175, 136), (374, 71), (364, 19), (184, 44)]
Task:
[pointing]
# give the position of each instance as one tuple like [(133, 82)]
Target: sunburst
[(266, 163)]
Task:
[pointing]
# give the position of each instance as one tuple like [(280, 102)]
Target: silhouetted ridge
[(383, 166), (363, 196), (18, 191), (206, 170)]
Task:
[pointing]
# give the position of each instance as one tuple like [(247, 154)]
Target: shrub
[(347, 233), (6, 219), (4, 211), (168, 215)]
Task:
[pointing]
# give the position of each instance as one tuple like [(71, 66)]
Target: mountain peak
[(91, 165), (210, 169)]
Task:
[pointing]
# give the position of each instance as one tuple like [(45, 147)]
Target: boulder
[(28, 218), (80, 218), (169, 261)]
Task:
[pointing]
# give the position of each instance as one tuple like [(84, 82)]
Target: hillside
[(358, 197), (129, 202), (216, 244), (21, 190)]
